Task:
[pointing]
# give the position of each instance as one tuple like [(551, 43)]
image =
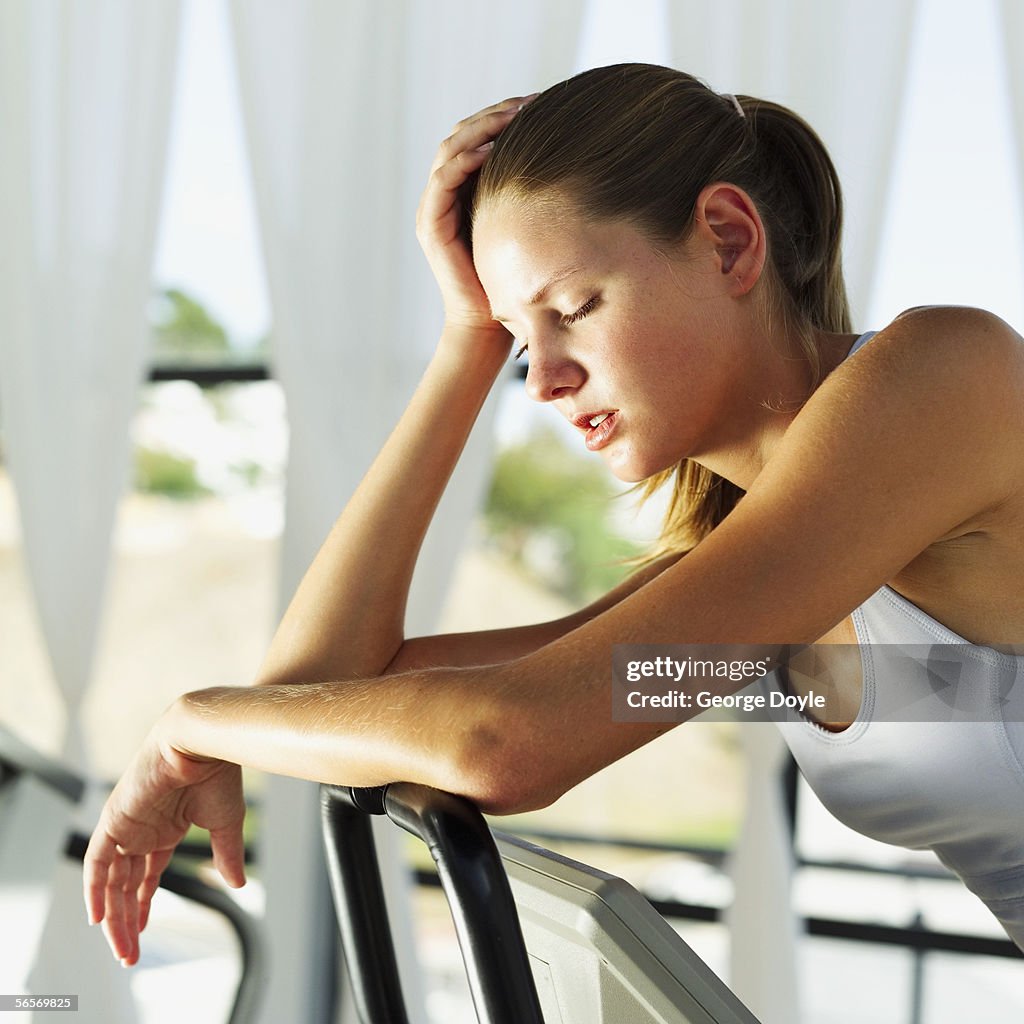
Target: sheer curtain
[(85, 92), (842, 66), (1013, 40), (345, 103)]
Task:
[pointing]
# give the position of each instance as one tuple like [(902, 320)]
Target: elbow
[(503, 769), (503, 789)]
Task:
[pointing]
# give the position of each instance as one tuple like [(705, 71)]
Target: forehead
[(520, 246)]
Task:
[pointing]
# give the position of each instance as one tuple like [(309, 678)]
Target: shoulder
[(957, 368), (935, 398), (951, 337)]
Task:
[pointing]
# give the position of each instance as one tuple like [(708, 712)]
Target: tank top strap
[(861, 342)]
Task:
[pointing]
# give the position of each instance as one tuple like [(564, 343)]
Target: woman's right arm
[(346, 619), (347, 616)]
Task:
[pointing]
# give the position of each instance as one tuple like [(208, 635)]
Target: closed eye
[(568, 320), (584, 310)]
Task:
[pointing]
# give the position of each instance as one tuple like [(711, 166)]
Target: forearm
[(346, 618), (432, 727)]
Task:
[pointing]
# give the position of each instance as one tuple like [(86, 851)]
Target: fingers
[(98, 857), (118, 888), (121, 907), (472, 138), (480, 128), (144, 819), (155, 864), (512, 102), (228, 846), (440, 215), (442, 195)]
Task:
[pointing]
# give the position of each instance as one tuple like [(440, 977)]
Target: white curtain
[(345, 103), (85, 91), (842, 66), (1013, 41)]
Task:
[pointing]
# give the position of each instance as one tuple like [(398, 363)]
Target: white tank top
[(935, 757)]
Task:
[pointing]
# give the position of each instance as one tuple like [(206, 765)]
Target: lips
[(598, 427)]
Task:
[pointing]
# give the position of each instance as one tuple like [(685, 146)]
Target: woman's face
[(629, 343)]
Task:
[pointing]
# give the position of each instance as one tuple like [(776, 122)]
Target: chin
[(628, 476), (633, 471)]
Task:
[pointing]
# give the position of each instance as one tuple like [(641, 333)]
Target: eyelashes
[(568, 320), (580, 313)]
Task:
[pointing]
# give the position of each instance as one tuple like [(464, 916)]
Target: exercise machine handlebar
[(474, 882)]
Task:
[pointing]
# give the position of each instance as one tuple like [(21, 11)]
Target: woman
[(670, 259)]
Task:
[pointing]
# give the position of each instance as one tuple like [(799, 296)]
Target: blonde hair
[(640, 142)]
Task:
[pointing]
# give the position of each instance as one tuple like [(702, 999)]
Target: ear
[(726, 218)]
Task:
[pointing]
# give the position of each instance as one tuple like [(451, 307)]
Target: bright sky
[(955, 226), (209, 243)]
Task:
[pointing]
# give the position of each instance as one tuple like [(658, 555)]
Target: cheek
[(634, 336)]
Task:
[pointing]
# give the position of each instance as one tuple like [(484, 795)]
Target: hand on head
[(440, 225)]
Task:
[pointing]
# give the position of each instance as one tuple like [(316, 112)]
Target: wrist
[(475, 347), (175, 731), (489, 336)]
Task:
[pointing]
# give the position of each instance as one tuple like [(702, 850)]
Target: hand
[(162, 793), (439, 217)]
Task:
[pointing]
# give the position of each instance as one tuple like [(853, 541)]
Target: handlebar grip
[(473, 879), (359, 905), (482, 906)]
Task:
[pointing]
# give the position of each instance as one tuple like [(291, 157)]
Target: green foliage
[(160, 472), (183, 327), (251, 472), (548, 508)]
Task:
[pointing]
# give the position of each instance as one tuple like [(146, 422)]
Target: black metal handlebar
[(18, 758), (474, 882)]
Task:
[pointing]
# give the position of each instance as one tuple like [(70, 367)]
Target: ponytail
[(798, 184)]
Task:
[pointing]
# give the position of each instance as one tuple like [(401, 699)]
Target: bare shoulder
[(954, 337), (965, 361), (941, 386)]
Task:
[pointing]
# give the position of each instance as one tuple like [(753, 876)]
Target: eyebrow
[(539, 294)]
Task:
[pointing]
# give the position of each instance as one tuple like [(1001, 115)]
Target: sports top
[(935, 757)]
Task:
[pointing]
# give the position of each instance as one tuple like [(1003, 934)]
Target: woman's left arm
[(916, 436)]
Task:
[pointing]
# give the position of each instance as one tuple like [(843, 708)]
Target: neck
[(766, 400)]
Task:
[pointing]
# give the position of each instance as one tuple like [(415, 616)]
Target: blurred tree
[(548, 509), (161, 472), (183, 327)]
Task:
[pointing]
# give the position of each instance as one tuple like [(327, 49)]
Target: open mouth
[(599, 428)]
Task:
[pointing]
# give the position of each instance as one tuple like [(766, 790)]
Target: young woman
[(669, 258)]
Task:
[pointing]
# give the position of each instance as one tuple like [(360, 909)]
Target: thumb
[(228, 848)]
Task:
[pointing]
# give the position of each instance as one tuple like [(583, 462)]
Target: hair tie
[(735, 102)]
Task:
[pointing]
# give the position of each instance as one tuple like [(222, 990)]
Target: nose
[(552, 374)]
